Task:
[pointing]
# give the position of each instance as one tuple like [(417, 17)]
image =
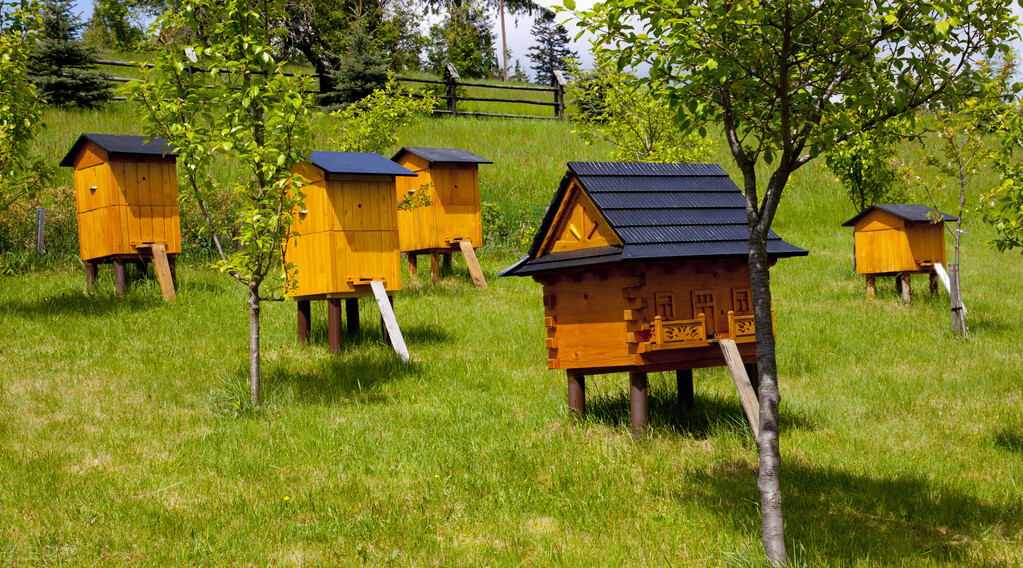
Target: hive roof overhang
[(659, 212), (121, 145), (442, 155), (909, 212), (357, 163)]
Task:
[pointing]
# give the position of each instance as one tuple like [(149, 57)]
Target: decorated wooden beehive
[(644, 268), (346, 241), (451, 222), (126, 197), (899, 240)]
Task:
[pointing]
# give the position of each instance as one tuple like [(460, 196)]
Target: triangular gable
[(578, 224)]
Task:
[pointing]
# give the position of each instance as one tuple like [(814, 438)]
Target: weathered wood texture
[(747, 396), (163, 272), (601, 318), (390, 322), (474, 265), (577, 395), (639, 403), (123, 202), (454, 212), (347, 235), (304, 320), (888, 244)]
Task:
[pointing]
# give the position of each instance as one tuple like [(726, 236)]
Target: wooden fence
[(452, 83)]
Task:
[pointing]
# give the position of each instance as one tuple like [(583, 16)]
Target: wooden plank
[(474, 266), (390, 322), (163, 271), (742, 384)]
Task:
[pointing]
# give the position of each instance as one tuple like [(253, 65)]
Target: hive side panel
[(880, 252), (587, 328), (145, 199), (927, 241), (159, 209)]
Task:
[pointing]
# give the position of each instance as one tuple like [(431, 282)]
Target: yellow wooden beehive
[(347, 232), (450, 176), (893, 239), (126, 195)]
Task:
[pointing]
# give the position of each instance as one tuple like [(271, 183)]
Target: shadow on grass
[(1009, 439), (850, 519), (77, 303), (335, 379), (413, 335), (710, 413)]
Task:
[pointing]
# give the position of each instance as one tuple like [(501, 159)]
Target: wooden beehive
[(126, 200), (898, 240), (346, 234), (644, 268), (126, 194)]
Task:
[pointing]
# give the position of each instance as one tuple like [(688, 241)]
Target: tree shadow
[(336, 379), (1010, 439), (370, 335), (72, 302), (854, 519)]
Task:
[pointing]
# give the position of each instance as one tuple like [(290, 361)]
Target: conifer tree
[(361, 70), (63, 68), (552, 51)]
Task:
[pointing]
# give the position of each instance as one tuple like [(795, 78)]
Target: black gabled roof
[(442, 155), (357, 163), (120, 144), (909, 212), (659, 211)]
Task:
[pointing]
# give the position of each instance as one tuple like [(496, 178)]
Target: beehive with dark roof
[(644, 266), (347, 230), (450, 179), (898, 239), (126, 196)]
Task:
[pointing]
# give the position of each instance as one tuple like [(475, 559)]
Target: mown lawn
[(124, 437)]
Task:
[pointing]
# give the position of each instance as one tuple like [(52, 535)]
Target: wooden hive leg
[(352, 316), (446, 258), (638, 403), (163, 272), (907, 291), (413, 264), (686, 396), (576, 395), (434, 268), (390, 322), (120, 277), (91, 274), (753, 374), (304, 324), (334, 324), (383, 322), (870, 285), (934, 283), (474, 266), (172, 261)]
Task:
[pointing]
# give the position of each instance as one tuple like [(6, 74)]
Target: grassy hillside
[(124, 439)]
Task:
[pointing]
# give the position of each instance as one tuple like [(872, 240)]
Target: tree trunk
[(958, 314), (254, 300), (768, 481)]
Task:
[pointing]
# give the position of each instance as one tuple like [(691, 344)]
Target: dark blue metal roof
[(442, 155), (909, 212), (659, 211), (357, 163), (119, 145)]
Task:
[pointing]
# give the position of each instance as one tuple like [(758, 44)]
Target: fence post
[(40, 230), (558, 82), (452, 77)]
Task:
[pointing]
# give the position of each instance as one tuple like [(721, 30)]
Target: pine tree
[(63, 68), (361, 70), (519, 75), (552, 51), (465, 40)]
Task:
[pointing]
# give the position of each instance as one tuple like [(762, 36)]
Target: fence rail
[(452, 81)]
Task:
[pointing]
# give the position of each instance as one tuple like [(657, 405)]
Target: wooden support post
[(413, 264), (120, 277), (334, 324), (434, 268), (40, 230), (91, 274), (446, 264), (172, 260), (742, 385), (934, 283), (870, 285), (383, 324), (753, 374), (904, 287), (352, 316), (163, 272), (686, 396), (576, 395), (390, 322), (304, 320), (452, 80), (638, 403), (474, 266)]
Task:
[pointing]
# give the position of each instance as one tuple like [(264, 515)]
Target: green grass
[(124, 438)]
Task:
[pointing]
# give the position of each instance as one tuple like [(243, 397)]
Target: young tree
[(372, 124), (117, 24), (629, 116), (465, 40), (787, 80), (63, 68), (20, 105), (551, 50), (253, 112), (868, 167)]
